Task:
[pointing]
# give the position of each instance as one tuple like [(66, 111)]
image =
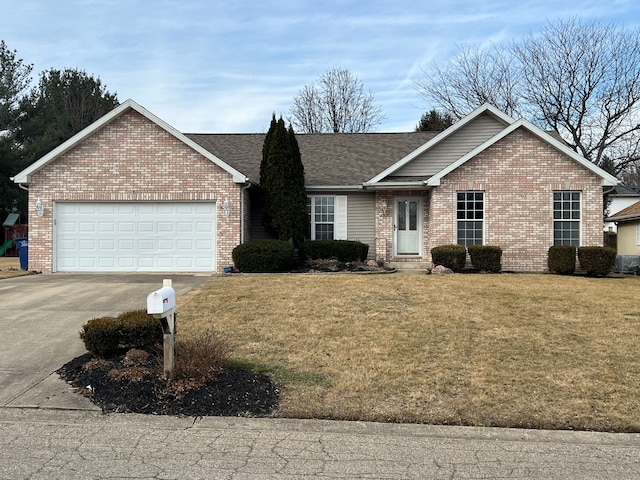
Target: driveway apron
[(40, 322)]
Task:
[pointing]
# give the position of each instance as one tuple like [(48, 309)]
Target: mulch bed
[(117, 385)]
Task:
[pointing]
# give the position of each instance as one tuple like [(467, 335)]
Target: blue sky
[(224, 66)]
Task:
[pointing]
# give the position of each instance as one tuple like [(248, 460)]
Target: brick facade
[(518, 176), (131, 159)]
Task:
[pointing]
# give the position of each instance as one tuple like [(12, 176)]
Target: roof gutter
[(326, 188), (396, 185)]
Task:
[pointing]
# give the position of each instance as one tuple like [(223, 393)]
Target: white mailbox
[(161, 302)]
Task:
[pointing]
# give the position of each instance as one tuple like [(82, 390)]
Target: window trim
[(311, 207), (482, 220), (577, 221)]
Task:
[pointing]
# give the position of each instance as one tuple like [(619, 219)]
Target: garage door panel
[(133, 236)]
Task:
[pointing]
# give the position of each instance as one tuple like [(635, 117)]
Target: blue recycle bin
[(22, 244)]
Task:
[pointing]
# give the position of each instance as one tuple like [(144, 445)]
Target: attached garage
[(135, 237), (129, 193)]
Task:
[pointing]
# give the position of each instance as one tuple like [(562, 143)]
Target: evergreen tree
[(63, 103), (14, 81), (434, 121), (282, 183)]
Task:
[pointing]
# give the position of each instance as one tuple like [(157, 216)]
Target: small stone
[(440, 269)]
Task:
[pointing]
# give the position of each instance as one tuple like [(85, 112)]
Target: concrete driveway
[(40, 321)]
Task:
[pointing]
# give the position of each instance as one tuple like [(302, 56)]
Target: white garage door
[(135, 237)]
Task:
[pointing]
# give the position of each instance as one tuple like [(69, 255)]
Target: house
[(628, 223), (131, 193), (620, 197)]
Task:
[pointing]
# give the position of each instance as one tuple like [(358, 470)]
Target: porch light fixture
[(226, 207), (39, 208)]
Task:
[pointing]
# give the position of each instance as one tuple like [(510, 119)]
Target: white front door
[(408, 226)]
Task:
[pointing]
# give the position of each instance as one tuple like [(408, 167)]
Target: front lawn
[(512, 350)]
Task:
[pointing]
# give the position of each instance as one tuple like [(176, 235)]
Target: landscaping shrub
[(562, 259), (201, 357), (138, 329), (486, 258), (597, 261), (106, 336), (450, 256), (343, 250), (100, 336), (264, 256)]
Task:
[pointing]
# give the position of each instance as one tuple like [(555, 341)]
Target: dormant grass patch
[(10, 267), (512, 350)]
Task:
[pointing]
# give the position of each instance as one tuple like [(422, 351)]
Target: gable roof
[(486, 108), (632, 212), (24, 177), (607, 178), (330, 159), (510, 126)]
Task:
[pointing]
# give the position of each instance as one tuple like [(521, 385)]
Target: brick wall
[(518, 175), (131, 159)]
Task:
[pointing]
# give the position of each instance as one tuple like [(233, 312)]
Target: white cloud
[(219, 66)]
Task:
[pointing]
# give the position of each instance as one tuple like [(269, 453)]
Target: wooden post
[(169, 338), (169, 346)]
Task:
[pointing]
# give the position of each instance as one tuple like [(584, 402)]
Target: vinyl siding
[(361, 219), (452, 148), (628, 238)]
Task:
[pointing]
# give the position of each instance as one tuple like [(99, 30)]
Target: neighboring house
[(628, 223), (620, 197), (131, 193)]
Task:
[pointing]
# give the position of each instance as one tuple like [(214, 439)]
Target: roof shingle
[(329, 159)]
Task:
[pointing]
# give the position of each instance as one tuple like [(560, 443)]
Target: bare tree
[(584, 79), (581, 79), (474, 77), (336, 103)]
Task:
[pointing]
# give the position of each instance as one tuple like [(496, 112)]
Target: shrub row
[(263, 256), (106, 336), (486, 258), (595, 261), (266, 256), (450, 256), (343, 250)]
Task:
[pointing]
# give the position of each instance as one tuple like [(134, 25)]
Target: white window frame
[(578, 220), (482, 220), (638, 232), (339, 215)]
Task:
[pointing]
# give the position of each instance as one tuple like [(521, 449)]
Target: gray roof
[(329, 159)]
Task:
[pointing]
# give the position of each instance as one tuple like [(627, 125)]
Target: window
[(638, 232), (321, 212), (566, 218), (470, 218)]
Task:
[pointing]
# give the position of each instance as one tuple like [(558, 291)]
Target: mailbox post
[(162, 305)]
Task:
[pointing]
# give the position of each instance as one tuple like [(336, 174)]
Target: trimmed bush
[(100, 336), (597, 261), (106, 336), (450, 256), (486, 258), (343, 250), (140, 330), (562, 259), (263, 256)]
